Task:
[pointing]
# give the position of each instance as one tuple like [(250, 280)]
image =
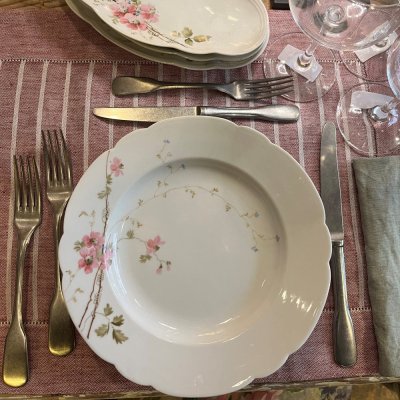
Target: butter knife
[(277, 113), (344, 345)]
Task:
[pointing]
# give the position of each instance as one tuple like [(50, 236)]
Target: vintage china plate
[(228, 27), (167, 55), (195, 256)]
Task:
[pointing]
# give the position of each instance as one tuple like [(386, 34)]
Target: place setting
[(199, 201)]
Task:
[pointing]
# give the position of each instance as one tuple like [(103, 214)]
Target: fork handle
[(15, 359), (61, 329), (278, 113), (129, 85)]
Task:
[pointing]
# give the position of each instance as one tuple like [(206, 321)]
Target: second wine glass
[(335, 25)]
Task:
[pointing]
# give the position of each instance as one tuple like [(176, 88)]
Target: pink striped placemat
[(53, 69)]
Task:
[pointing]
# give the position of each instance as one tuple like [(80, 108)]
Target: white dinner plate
[(169, 56), (229, 27), (195, 256)]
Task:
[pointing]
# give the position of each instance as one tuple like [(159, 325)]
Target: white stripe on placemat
[(64, 114), (251, 103), (135, 100), (160, 75), (299, 124), (275, 101), (112, 102), (88, 96), (353, 208), (10, 229), (39, 117)]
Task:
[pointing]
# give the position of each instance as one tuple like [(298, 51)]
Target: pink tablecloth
[(53, 69)]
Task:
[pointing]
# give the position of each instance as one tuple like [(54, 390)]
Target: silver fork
[(27, 217), (239, 90), (58, 191)]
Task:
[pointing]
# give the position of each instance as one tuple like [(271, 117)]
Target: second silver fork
[(58, 191), (258, 89), (27, 217)]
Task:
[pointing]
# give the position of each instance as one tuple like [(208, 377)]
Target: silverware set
[(249, 90), (28, 212)]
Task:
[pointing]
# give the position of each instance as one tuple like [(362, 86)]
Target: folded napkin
[(378, 186)]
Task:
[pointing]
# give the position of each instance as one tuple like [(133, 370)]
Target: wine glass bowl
[(334, 24)]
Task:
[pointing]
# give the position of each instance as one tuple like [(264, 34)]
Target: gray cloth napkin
[(378, 186)]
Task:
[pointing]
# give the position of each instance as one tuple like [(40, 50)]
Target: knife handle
[(344, 344), (278, 113)]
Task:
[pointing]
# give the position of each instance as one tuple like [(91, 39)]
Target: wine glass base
[(372, 70), (305, 90), (364, 134)]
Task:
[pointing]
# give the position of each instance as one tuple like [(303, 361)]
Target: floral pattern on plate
[(140, 17)]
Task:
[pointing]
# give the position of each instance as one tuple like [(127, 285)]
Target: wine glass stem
[(305, 58)]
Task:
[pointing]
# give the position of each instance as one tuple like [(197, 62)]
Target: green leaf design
[(78, 245), (130, 234), (102, 330), (109, 179), (118, 320), (187, 32), (108, 310), (104, 193), (144, 258), (201, 38), (119, 336), (189, 41)]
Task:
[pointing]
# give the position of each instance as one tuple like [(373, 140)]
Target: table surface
[(37, 63)]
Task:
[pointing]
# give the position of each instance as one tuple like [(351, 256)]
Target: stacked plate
[(200, 35)]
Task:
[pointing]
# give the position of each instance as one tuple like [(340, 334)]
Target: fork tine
[(54, 175), (23, 185), (64, 159), (59, 154), (46, 159), (269, 94), (270, 81), (261, 85), (267, 89), (36, 185), (17, 185), (30, 185), (67, 158)]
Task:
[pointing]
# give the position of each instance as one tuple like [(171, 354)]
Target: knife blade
[(344, 345), (277, 113)]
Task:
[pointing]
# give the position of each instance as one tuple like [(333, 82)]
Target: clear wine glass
[(369, 64), (334, 24), (368, 114)]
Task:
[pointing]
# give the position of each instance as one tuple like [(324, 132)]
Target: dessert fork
[(239, 90), (27, 217), (58, 191)]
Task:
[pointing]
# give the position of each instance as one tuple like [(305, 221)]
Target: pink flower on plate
[(94, 239), (89, 261), (152, 245), (136, 23), (122, 7), (148, 12), (106, 259), (116, 164)]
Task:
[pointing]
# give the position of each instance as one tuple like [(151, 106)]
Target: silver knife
[(278, 113), (344, 344)]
